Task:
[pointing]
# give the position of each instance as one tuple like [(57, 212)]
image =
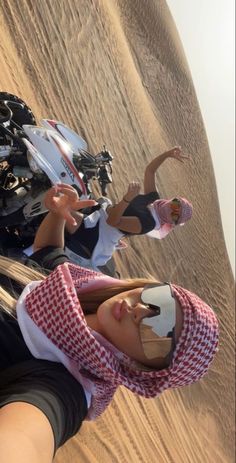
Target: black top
[(83, 241), (46, 385), (138, 208)]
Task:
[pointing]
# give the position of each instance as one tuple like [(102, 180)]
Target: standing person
[(79, 334), (136, 214)]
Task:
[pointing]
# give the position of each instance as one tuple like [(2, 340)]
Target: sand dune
[(115, 71)]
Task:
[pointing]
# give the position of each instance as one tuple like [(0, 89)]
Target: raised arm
[(61, 200), (150, 171), (115, 213)]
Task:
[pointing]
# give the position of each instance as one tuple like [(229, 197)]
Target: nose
[(140, 311)]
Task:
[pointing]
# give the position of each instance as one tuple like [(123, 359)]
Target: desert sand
[(115, 71)]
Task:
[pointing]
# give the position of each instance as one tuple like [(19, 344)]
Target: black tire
[(21, 115)]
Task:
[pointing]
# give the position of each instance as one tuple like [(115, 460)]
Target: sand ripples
[(115, 71)]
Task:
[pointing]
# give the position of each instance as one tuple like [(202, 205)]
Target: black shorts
[(46, 385)]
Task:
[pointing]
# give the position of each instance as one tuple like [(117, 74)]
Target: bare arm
[(52, 228), (150, 171), (50, 232), (130, 224), (115, 213), (26, 435)]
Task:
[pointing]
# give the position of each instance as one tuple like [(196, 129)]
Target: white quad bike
[(32, 159)]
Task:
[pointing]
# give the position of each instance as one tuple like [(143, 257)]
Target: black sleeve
[(45, 260), (151, 197), (52, 389), (147, 222), (48, 258)]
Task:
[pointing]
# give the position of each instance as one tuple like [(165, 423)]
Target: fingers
[(61, 188), (79, 205), (67, 190), (62, 198), (176, 153), (134, 187), (49, 199), (133, 190), (72, 195), (69, 218), (176, 149), (83, 204), (50, 194)]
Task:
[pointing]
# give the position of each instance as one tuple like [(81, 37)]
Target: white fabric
[(108, 240), (29, 251), (38, 343), (91, 220), (158, 232), (165, 321), (155, 216), (78, 260)]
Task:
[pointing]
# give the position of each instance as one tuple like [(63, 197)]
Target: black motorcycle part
[(13, 219), (21, 113)]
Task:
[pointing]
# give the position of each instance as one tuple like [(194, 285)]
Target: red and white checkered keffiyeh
[(54, 306), (161, 212)]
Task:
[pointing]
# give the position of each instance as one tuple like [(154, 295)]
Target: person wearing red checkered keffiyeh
[(54, 306), (102, 349), (80, 334)]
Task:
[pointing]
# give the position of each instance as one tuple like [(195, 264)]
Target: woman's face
[(118, 320)]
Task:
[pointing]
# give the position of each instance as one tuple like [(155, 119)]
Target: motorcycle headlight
[(33, 164)]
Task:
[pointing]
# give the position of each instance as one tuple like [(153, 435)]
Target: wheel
[(21, 114)]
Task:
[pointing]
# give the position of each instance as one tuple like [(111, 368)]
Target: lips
[(119, 309), (116, 310)]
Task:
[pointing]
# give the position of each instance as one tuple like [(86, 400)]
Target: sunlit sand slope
[(116, 72)]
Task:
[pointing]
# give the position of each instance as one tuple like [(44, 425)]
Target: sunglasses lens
[(157, 331), (175, 206)]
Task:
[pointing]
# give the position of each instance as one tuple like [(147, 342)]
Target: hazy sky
[(207, 31)]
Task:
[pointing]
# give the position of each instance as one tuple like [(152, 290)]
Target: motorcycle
[(32, 159)]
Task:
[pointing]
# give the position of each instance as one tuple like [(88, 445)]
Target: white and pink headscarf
[(161, 212), (55, 308)]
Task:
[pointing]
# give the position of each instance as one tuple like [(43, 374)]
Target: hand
[(176, 153), (61, 199), (132, 192)]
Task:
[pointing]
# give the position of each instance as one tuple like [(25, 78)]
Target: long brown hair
[(19, 273), (89, 301)]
